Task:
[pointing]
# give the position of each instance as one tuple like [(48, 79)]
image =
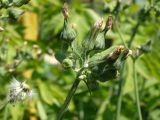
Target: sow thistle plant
[(91, 60)]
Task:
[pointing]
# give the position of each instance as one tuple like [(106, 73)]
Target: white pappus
[(19, 91)]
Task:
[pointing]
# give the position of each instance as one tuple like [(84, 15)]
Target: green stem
[(120, 91), (68, 98), (136, 91), (135, 29), (122, 40), (5, 113)]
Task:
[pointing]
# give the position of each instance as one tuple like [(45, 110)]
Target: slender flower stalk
[(136, 91), (120, 92)]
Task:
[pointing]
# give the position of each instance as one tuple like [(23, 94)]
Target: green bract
[(68, 33), (101, 57), (100, 40)]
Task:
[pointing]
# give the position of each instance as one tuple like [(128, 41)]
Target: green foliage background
[(52, 82)]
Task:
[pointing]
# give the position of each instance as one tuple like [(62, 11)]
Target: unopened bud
[(109, 23), (65, 10), (98, 24)]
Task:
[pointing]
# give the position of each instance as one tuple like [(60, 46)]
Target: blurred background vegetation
[(28, 45)]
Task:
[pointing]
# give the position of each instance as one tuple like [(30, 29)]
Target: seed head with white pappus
[(19, 91)]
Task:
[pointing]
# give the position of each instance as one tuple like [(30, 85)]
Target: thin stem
[(120, 91), (68, 98), (5, 113), (119, 33), (136, 91), (135, 29)]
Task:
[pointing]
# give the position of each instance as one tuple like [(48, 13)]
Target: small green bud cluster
[(92, 60)]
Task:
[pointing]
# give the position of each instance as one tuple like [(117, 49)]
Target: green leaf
[(41, 111)]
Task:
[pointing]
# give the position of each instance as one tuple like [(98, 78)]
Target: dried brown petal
[(109, 23)]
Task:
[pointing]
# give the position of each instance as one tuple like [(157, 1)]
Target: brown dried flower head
[(109, 23)]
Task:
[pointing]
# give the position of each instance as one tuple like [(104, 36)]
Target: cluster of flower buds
[(106, 64), (19, 92), (96, 37), (92, 59)]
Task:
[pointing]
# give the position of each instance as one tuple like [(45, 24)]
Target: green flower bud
[(144, 48), (67, 63), (101, 57), (100, 40), (108, 23), (89, 42), (14, 13), (68, 33)]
